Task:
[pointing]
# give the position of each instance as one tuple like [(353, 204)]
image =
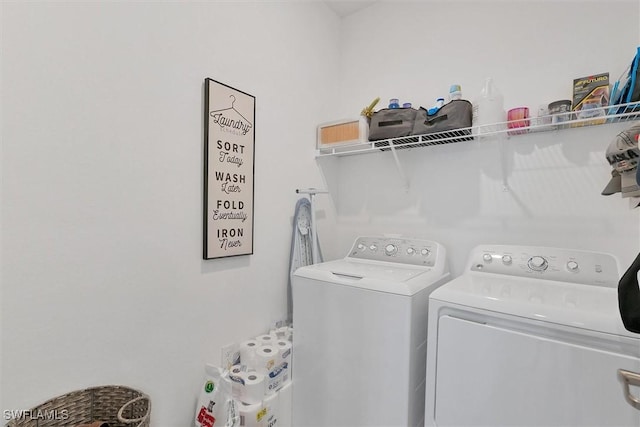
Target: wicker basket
[(119, 406)]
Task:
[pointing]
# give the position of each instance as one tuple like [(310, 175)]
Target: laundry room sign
[(229, 142)]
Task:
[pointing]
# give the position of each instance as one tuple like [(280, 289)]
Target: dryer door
[(498, 376)]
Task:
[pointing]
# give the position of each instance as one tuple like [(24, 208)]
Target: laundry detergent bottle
[(488, 110)]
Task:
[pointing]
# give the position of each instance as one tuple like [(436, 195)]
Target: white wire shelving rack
[(556, 122), (560, 122)]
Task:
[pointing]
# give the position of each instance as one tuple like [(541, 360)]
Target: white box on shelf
[(342, 132)]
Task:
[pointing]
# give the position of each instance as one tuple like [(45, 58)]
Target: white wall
[(539, 189), (102, 154)]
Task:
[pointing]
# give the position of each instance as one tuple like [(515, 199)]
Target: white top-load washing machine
[(360, 334), (531, 336)]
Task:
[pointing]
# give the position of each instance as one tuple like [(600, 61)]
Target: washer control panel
[(398, 250), (564, 265)]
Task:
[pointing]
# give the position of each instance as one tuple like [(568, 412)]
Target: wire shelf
[(553, 122)]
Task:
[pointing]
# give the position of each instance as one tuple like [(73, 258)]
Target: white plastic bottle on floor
[(488, 110)]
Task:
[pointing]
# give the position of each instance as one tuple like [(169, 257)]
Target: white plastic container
[(455, 92), (488, 110)]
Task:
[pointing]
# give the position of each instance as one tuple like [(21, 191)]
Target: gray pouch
[(391, 123), (454, 115)]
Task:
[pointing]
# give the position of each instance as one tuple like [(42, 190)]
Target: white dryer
[(360, 334), (531, 336)]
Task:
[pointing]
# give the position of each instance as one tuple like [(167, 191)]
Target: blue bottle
[(433, 110)]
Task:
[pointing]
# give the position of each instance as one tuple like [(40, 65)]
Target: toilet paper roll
[(268, 363), (236, 380), (266, 339), (285, 405), (249, 414), (272, 406), (274, 379), (236, 369), (248, 353), (252, 391), (266, 358), (285, 349), (282, 333)]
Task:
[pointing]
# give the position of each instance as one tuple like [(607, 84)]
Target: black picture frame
[(229, 169)]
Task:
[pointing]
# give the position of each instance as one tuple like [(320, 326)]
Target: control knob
[(411, 251), (361, 246), (506, 259), (572, 266), (537, 263), (390, 249), (425, 252), (373, 248), (487, 257)]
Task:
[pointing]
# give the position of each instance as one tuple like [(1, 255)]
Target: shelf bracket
[(403, 176)]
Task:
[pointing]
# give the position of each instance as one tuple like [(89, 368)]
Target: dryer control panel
[(397, 250), (564, 265)]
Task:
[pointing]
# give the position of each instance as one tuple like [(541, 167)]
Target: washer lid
[(379, 276), (581, 306)]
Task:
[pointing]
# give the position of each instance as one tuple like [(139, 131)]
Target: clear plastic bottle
[(488, 109)]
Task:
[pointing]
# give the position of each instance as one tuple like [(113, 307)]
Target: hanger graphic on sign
[(231, 108)]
